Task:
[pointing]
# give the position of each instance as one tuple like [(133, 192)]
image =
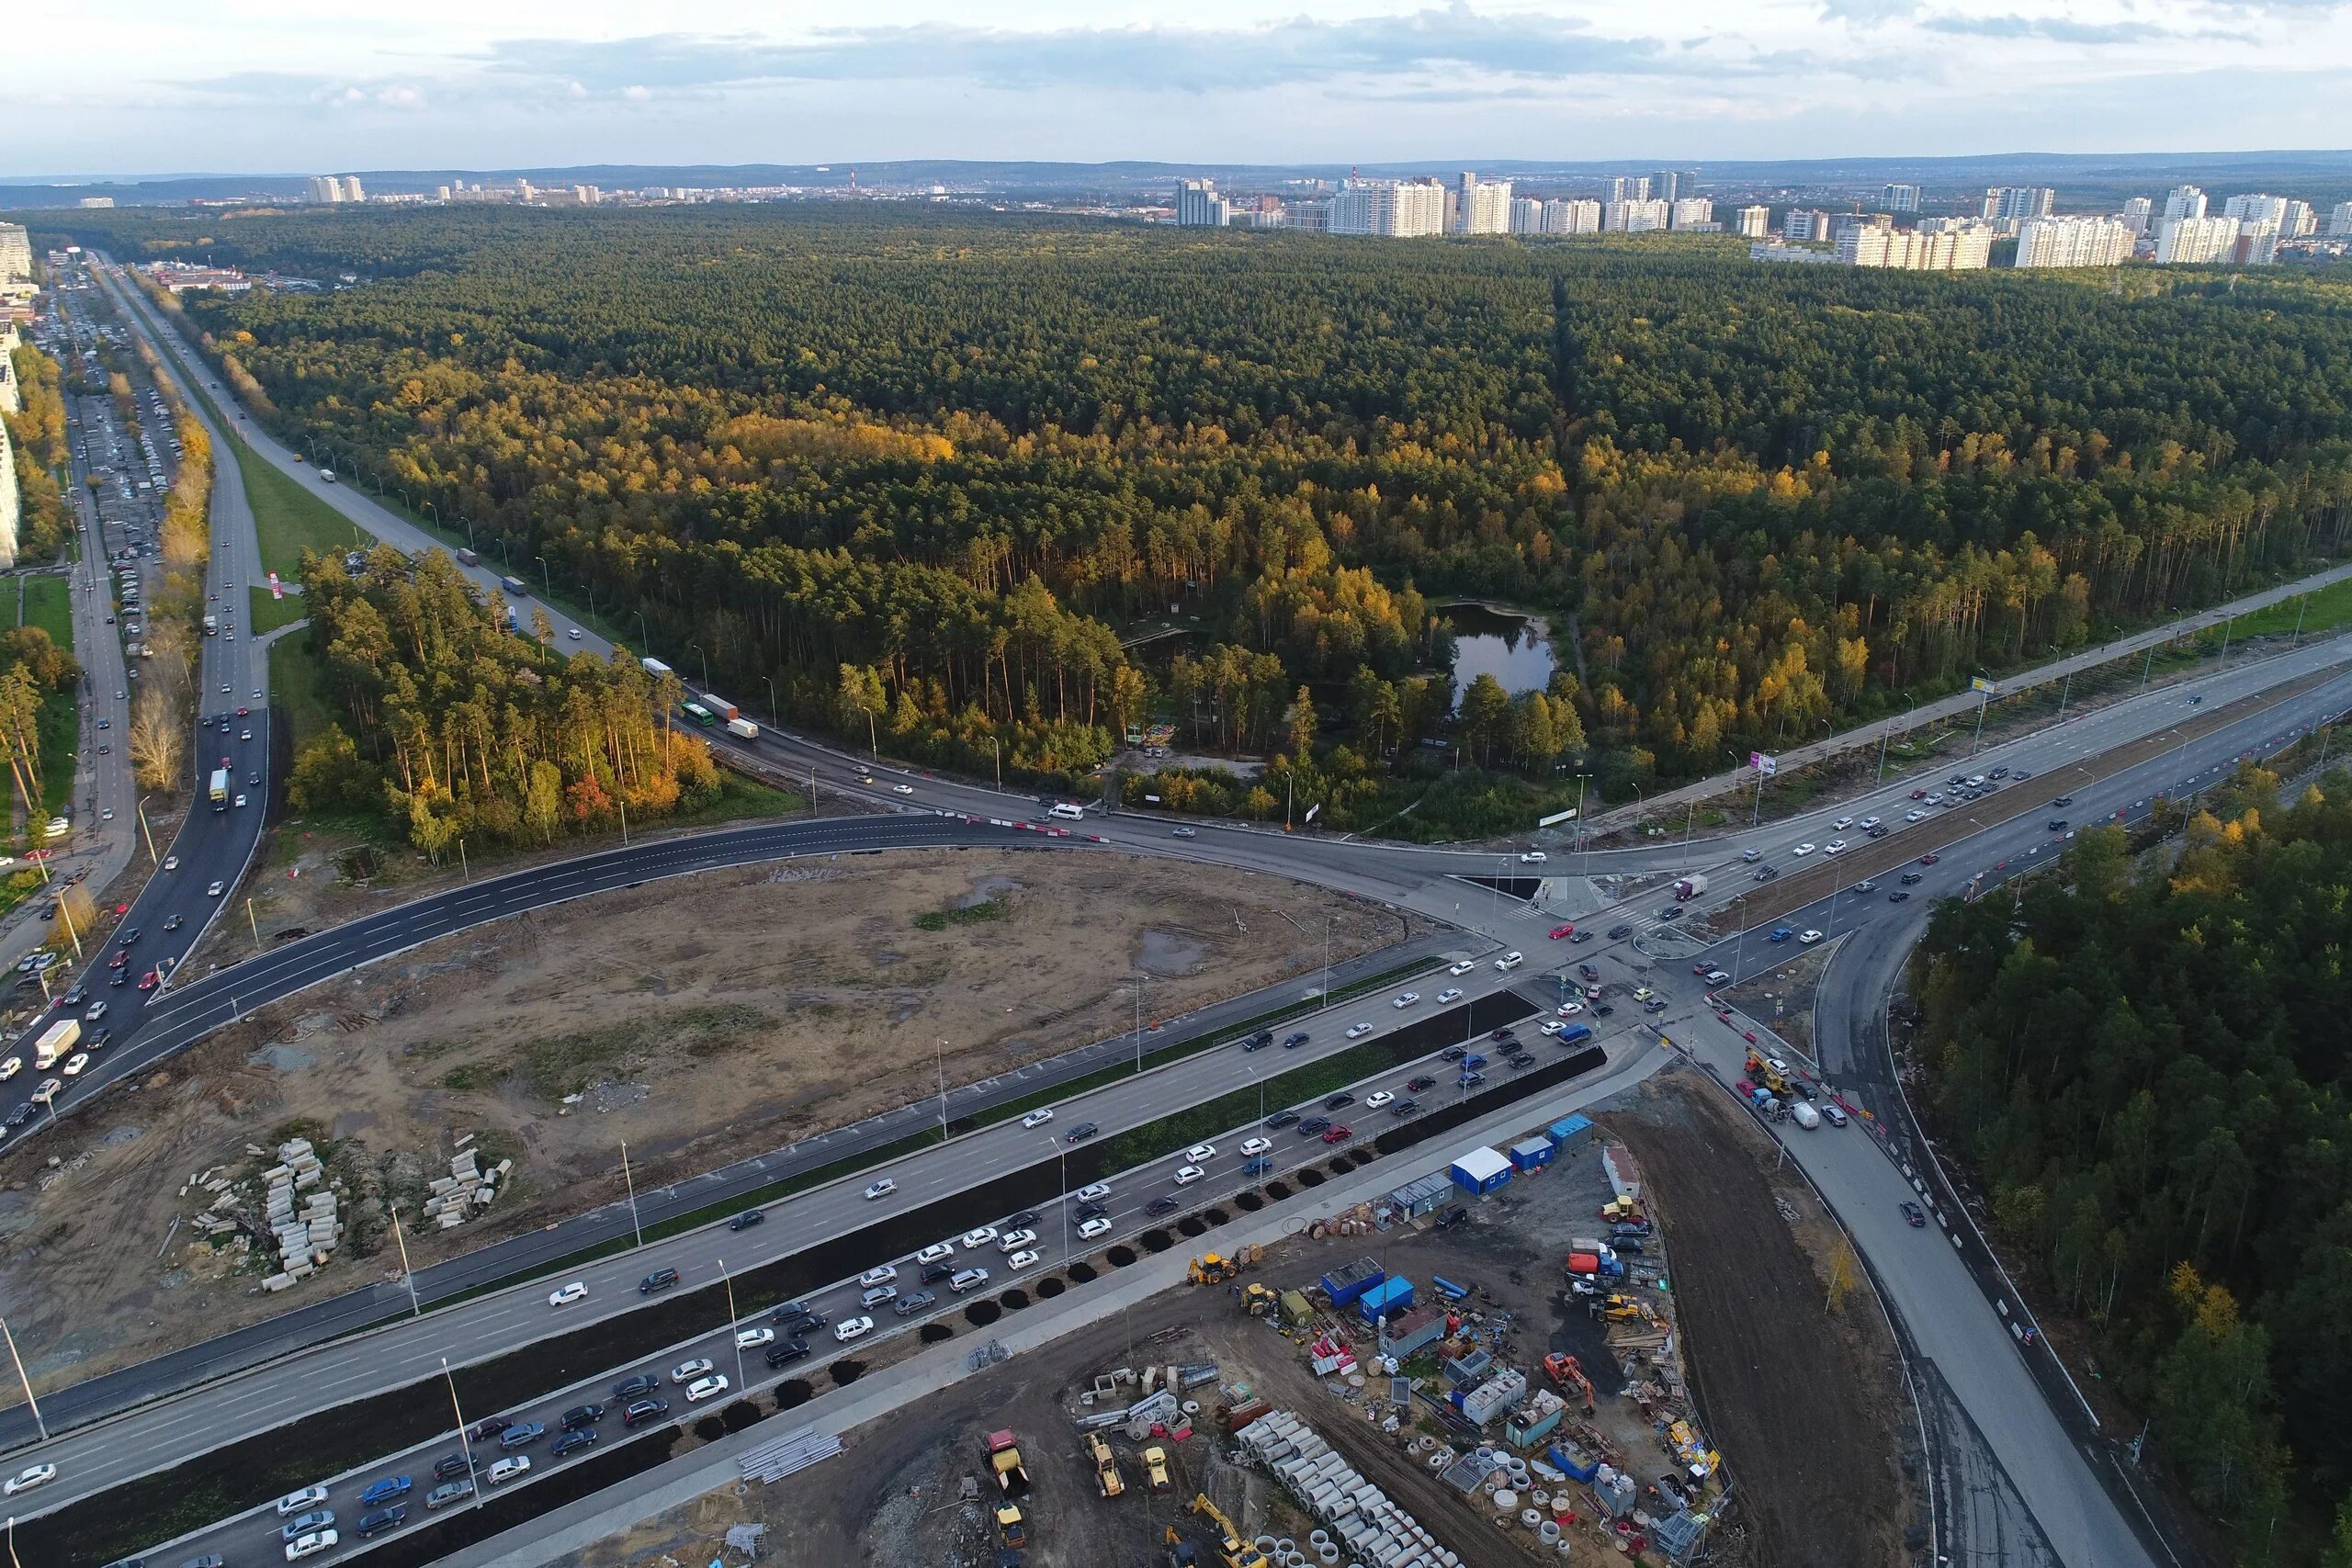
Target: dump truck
[(1689, 887), (1004, 1459), (1106, 1466)]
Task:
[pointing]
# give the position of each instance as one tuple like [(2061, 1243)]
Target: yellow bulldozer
[(1261, 1300), (1106, 1466), (1622, 1309)]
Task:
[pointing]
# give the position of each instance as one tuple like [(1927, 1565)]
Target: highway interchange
[(1929, 1280)]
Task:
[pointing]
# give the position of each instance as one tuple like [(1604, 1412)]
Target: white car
[(292, 1503), (1913, 816), (75, 1062), (753, 1338), (1021, 1260), (34, 1475), (881, 1189), (1867, 823), (1462, 968), (882, 1274), (11, 1067), (48, 1092), (706, 1388), (1834, 847), (1187, 1175), (564, 1295), (1093, 1228), (1533, 857), (937, 1252), (1451, 994), (1842, 823), (1013, 1241), (1201, 1154), (214, 890), (324, 1541), (1378, 1099), (687, 1371), (1094, 1193), (902, 789), (1038, 1118), (1802, 851), (1358, 1031), (572, 631), (850, 1328), (1569, 1010), (171, 862), (1408, 1000), (1809, 938), (240, 800), (1550, 1026), (1253, 1147), (507, 1469), (984, 1235)]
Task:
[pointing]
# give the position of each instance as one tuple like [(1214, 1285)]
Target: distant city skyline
[(267, 86)]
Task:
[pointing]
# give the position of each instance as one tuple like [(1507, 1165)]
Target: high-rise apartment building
[(1481, 207), (2013, 204), (2299, 220), (2339, 222), (2190, 241), (1955, 246), (2184, 201), (2257, 245), (1755, 223), (1631, 217), (1691, 212), (351, 189), (1396, 208), (1900, 198), (2257, 207), (325, 187), (1623, 188), (2073, 242), (1582, 217), (1198, 206), (1526, 215), (2137, 213), (1804, 225), (1666, 184)]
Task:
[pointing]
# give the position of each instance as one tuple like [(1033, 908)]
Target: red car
[(1918, 794), (121, 957), (1339, 1135), (150, 980), (1748, 1035), (1929, 858), (1559, 932), (244, 713)]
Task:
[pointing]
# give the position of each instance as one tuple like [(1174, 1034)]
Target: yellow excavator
[(1231, 1549), (1216, 1269)]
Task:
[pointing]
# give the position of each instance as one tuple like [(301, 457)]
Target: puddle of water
[(1170, 954), (1514, 649)]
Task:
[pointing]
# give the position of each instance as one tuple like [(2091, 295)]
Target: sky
[(118, 88)]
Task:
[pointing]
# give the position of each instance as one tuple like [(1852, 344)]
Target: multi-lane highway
[(205, 860)]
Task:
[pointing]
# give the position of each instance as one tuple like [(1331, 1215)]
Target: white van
[(1510, 961), (1067, 812)]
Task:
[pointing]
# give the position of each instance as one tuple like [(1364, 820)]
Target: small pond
[(1514, 649)]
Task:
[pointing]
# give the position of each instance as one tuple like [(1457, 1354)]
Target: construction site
[(1485, 1365)]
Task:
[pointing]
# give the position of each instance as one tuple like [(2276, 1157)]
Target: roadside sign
[(1979, 684), (1762, 764), (1556, 816)]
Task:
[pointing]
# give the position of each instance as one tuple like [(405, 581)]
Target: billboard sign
[(1764, 763)]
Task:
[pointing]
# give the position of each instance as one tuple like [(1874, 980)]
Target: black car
[(645, 1410), (451, 1468), (1619, 933), (1505, 1033), (1913, 878), (1092, 1211), (495, 1427), (174, 924), (1342, 1098), (582, 1416), (1164, 1204), (1281, 1119), (1257, 1041), (1454, 1053), (1603, 1010), (1897, 897), (747, 1219), (1315, 1125), (1524, 1059), (1293, 1042), (1022, 1221), (1418, 1082), (659, 1280), (382, 1519), (2063, 800), (1453, 1217), (130, 935), (97, 1039), (1405, 1108), (935, 1273), (1081, 1133), (1581, 936), (631, 1388), (794, 1318), (1671, 912), (790, 1350), (2057, 824), (571, 1442)]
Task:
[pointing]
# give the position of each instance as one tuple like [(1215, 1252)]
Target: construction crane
[(1232, 1549)]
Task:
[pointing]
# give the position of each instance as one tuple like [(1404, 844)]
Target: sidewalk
[(566, 1529), (1961, 703)]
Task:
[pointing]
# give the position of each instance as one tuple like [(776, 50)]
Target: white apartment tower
[(1572, 217), (2073, 242), (1198, 206), (1691, 212), (2339, 222), (2189, 242), (2184, 201), (1394, 209), (2137, 212), (1755, 223), (1482, 207), (1900, 198), (1631, 217), (2013, 204)]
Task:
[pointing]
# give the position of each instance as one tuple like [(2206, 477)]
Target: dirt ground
[(1783, 996), (700, 1019), (1806, 1404), (1813, 1457)]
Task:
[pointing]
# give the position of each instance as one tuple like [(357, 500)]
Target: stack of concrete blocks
[(468, 1187), (305, 1236), (1366, 1522)]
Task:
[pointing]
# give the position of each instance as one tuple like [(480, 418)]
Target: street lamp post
[(629, 1180), (38, 1424), (416, 1308), (1323, 1003), (465, 1438), (742, 1383), (148, 833), (939, 1060), (547, 588), (775, 711), (1138, 991), (706, 663), (1061, 1158)]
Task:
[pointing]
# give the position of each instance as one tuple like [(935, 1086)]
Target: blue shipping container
[(1345, 1284), (1392, 1294), (1531, 1154), (1569, 1129)]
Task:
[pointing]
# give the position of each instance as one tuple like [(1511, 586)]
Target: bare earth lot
[(1802, 1403), (700, 1019)]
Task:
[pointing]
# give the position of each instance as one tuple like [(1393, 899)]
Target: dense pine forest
[(2150, 1059), (925, 473)]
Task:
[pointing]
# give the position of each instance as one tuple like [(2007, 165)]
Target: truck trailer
[(55, 1042), (743, 729), (1689, 887)]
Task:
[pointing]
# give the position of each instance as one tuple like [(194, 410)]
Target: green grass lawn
[(49, 604), (289, 519), (2323, 611), (297, 688), (267, 614)]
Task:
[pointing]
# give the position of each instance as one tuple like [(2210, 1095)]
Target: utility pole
[(34, 1406), (252, 924), (631, 1180), (416, 1308), (741, 1382), (465, 1438)]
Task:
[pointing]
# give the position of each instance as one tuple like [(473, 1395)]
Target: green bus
[(699, 714)]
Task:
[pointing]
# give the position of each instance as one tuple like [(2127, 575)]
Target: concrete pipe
[(1286, 1546), (1326, 1554), (1547, 1532), (1505, 1501), (1265, 1545), (1319, 1538), (1530, 1518), (1440, 1460), (1192, 1407)]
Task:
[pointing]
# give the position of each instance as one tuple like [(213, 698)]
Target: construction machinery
[(1233, 1550), (1004, 1459), (1011, 1527), (1216, 1268), (1261, 1300), (1623, 1212), (1567, 1373), (1155, 1467), (1762, 1069), (1106, 1466), (1615, 1308), (1181, 1554)]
